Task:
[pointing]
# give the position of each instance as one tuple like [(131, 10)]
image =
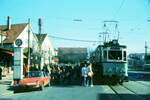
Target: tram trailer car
[(110, 62), (146, 65)]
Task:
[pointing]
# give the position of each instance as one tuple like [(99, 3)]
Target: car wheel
[(49, 84), (16, 90), (42, 86)]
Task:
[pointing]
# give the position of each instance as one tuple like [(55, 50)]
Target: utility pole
[(49, 55), (146, 47), (29, 42), (40, 42), (40, 25), (145, 57), (1, 38)]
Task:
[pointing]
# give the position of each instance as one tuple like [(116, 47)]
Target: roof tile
[(13, 33)]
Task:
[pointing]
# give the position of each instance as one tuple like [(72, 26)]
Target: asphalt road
[(138, 88), (66, 93)]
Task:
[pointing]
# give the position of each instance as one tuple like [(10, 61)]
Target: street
[(134, 89), (75, 50)]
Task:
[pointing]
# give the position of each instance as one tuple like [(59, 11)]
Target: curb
[(7, 94), (6, 82)]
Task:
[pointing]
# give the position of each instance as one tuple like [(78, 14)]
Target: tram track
[(136, 94), (128, 89), (123, 92), (142, 83), (115, 92), (136, 81)]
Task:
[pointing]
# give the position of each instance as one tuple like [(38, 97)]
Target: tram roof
[(112, 44)]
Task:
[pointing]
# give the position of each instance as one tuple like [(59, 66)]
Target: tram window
[(124, 56), (115, 55), (105, 54)]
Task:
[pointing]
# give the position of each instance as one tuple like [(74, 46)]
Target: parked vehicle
[(139, 60), (147, 62), (34, 80)]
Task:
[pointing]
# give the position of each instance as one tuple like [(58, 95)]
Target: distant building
[(55, 58), (136, 59), (72, 55)]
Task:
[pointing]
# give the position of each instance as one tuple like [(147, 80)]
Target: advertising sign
[(18, 63)]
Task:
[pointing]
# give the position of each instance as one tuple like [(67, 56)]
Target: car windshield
[(35, 74)]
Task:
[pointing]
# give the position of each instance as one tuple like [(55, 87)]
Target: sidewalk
[(5, 85)]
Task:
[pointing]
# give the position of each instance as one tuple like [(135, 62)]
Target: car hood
[(30, 80)]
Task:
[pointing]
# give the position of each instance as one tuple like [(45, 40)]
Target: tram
[(110, 62)]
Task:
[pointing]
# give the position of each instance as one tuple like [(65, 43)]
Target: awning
[(6, 51)]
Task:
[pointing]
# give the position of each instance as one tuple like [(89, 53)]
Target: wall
[(47, 50)]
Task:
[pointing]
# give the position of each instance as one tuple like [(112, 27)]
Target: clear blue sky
[(58, 18)]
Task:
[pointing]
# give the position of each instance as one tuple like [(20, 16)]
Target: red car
[(34, 79)]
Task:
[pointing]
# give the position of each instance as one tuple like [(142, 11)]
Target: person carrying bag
[(90, 75)]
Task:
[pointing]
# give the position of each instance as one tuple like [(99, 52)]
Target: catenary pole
[(29, 42)]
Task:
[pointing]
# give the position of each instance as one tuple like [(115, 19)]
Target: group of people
[(61, 74), (66, 74), (87, 75)]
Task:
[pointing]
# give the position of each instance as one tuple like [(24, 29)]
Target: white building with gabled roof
[(46, 48)]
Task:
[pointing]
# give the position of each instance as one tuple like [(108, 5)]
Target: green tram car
[(109, 62)]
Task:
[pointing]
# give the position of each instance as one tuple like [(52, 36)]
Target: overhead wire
[(118, 10), (69, 39)]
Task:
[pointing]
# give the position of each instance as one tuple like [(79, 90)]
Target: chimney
[(8, 22), (40, 25)]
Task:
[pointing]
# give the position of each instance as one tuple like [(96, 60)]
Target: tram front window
[(115, 55)]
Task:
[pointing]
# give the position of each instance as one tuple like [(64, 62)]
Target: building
[(136, 59), (46, 49), (12, 32), (72, 55)]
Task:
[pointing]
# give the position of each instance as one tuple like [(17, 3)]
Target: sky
[(59, 20)]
